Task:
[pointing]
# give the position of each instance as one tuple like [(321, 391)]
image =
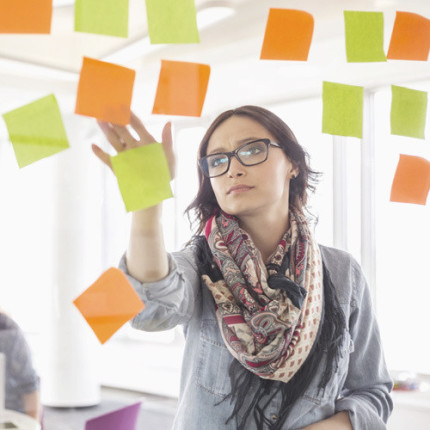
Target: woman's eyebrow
[(238, 143)]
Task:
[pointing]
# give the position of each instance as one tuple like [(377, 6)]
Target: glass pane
[(26, 231), (402, 235)]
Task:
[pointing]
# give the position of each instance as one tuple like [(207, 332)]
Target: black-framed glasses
[(248, 154)]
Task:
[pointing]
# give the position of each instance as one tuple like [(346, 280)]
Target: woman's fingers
[(125, 136), (142, 132), (167, 141), (111, 135), (121, 139), (103, 156)]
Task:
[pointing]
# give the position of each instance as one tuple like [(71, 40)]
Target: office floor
[(156, 412)]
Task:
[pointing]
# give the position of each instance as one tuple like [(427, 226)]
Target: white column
[(70, 363)]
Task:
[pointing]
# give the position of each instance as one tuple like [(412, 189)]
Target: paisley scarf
[(269, 315)]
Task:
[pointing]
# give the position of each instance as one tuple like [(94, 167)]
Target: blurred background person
[(21, 380)]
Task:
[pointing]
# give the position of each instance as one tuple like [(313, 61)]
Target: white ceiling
[(231, 47)]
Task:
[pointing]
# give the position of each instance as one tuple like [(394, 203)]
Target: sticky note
[(411, 181), (36, 130), (410, 39), (105, 91), (181, 88), (25, 16), (109, 17), (143, 176), (408, 112), (172, 21), (109, 303), (124, 418), (288, 35), (342, 109), (364, 36)]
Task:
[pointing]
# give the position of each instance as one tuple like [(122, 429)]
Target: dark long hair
[(205, 203)]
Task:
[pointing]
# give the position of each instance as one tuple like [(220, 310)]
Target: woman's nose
[(236, 168)]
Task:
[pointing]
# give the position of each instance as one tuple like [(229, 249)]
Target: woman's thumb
[(166, 135), (166, 139)]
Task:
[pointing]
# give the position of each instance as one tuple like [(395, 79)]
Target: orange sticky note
[(288, 35), (411, 182), (410, 39), (105, 91), (109, 303), (181, 88), (25, 16)]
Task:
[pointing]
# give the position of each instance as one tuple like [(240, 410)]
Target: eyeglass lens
[(249, 154)]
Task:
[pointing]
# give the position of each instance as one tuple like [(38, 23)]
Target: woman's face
[(265, 185)]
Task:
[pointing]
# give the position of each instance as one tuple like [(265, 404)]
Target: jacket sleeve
[(171, 300), (20, 368), (366, 392)]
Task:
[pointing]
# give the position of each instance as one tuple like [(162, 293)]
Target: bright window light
[(212, 15)]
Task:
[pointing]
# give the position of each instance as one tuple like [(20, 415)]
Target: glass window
[(26, 219), (402, 251)]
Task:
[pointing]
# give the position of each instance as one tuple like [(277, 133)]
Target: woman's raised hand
[(121, 139)]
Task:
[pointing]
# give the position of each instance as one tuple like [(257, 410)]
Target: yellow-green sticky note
[(36, 130), (172, 21), (364, 36), (342, 109), (108, 17), (408, 112), (143, 176)]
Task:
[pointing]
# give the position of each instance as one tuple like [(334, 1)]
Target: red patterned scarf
[(269, 316)]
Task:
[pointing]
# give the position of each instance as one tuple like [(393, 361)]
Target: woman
[(279, 331)]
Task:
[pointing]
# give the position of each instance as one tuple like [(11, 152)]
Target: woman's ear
[(294, 172)]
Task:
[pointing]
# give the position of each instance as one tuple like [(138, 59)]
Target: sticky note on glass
[(342, 109), (25, 16), (181, 88), (172, 21), (36, 130), (288, 35), (109, 17), (411, 182), (364, 36), (143, 176), (109, 303), (410, 39), (408, 112), (105, 91)]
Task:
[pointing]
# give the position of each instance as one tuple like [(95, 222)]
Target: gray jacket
[(21, 378), (360, 386)]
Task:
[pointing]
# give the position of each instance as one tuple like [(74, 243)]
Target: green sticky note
[(36, 130), (408, 112), (364, 36), (172, 21), (342, 109), (143, 176), (109, 17)]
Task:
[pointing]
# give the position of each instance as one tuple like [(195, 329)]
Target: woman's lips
[(239, 189)]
